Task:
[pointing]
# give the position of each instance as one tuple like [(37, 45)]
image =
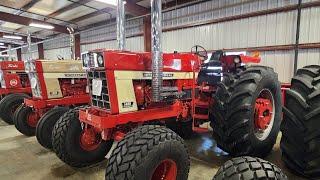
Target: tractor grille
[(102, 101)]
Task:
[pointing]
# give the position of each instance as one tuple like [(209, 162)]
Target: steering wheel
[(60, 57), (200, 51)]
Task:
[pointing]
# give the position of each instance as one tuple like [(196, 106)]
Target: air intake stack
[(156, 38), (121, 34)]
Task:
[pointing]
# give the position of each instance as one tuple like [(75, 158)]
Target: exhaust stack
[(156, 38), (72, 44), (121, 34)]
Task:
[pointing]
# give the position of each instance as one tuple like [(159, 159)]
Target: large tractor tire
[(149, 152), (46, 124), (25, 120), (76, 145), (246, 114), (9, 104), (249, 168), (300, 143)]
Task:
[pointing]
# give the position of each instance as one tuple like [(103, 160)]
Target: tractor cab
[(212, 69)]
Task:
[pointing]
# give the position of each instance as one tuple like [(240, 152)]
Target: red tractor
[(56, 87), (15, 86), (242, 103)]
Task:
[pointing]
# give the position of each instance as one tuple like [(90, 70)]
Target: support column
[(77, 46), (40, 51), (296, 47), (19, 55), (147, 33)]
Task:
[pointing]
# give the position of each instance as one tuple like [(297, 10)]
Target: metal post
[(121, 34), (29, 48), (72, 45), (296, 47), (9, 47), (156, 38)]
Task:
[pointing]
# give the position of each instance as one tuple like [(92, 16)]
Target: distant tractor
[(242, 103), (57, 86), (15, 86)]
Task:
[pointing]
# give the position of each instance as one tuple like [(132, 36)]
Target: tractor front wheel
[(78, 145), (45, 126), (247, 111), (25, 120), (9, 104), (149, 152)]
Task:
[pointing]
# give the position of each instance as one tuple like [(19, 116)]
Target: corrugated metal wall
[(266, 30)]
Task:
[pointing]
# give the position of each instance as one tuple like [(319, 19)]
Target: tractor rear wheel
[(9, 104), (249, 168), (300, 145), (78, 145), (46, 124), (25, 120), (149, 152), (246, 114)]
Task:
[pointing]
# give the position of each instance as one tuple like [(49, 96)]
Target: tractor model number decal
[(127, 104), (75, 75), (149, 74)]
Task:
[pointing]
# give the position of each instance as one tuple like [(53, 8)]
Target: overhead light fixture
[(12, 37), (1, 44), (3, 47), (111, 2), (44, 26)]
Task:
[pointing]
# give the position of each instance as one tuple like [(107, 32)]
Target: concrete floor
[(22, 157)]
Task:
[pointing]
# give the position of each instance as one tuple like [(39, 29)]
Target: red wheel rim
[(32, 119), (90, 139), (166, 170), (264, 114)]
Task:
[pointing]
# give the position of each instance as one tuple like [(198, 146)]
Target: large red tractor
[(56, 87), (242, 103), (15, 86)]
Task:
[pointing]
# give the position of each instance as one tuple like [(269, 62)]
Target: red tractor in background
[(15, 86), (242, 103), (56, 87)]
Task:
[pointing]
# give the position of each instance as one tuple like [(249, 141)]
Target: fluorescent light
[(111, 2), (44, 26), (12, 37), (1, 44), (3, 47)]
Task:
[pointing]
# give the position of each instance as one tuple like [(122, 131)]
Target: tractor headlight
[(2, 82), (35, 86), (100, 60), (236, 60), (85, 60)]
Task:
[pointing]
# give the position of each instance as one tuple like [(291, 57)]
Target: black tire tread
[(52, 112), (136, 145), (249, 168), (7, 101), (232, 100), (300, 143)]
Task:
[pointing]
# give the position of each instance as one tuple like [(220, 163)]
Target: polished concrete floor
[(22, 157)]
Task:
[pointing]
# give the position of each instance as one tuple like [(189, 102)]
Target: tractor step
[(201, 116), (201, 104)]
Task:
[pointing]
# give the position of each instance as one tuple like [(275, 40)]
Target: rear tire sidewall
[(45, 126), (7, 103), (267, 82), (20, 121), (75, 151)]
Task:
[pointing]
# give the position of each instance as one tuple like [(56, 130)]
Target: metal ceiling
[(76, 13)]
